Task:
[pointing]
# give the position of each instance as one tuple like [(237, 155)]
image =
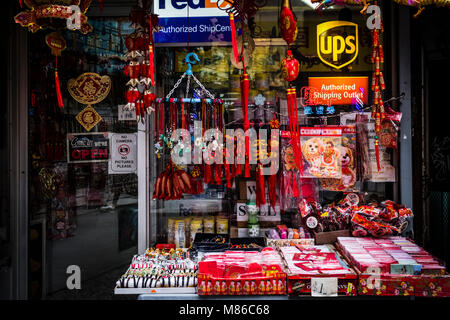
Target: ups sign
[(337, 43)]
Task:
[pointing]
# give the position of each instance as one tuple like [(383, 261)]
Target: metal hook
[(190, 62)]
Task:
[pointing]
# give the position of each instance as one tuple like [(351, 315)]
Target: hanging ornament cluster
[(244, 10), (378, 86), (421, 4), (140, 68), (289, 71), (54, 14), (174, 113), (172, 183)]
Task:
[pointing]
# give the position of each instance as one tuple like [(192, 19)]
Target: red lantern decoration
[(288, 23), (289, 67)]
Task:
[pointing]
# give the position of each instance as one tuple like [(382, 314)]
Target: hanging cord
[(187, 42)]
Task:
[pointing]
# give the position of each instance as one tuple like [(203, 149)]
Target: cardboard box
[(330, 237)]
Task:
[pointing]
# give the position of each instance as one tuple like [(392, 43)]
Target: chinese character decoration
[(89, 88), (140, 68), (378, 86), (319, 110), (289, 71)]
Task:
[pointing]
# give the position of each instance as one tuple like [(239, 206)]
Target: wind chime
[(289, 71), (179, 112), (140, 68), (378, 86)]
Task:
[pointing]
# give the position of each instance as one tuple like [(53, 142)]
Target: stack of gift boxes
[(394, 255)]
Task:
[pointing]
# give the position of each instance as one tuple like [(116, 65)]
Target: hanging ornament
[(57, 44), (377, 87), (54, 14), (288, 23), (289, 67), (289, 71), (89, 88), (140, 68)]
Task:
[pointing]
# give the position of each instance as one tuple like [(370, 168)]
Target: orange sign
[(339, 90)]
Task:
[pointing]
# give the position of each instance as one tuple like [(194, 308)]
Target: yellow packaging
[(196, 227), (208, 225), (222, 225)]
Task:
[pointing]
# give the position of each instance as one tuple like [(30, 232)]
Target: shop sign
[(87, 147), (206, 22), (338, 90), (337, 43), (266, 213), (123, 153)]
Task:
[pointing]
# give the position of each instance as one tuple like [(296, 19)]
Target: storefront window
[(89, 204)]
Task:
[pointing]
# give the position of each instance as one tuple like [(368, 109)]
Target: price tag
[(324, 287)]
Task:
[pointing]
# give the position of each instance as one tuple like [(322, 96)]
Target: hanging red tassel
[(273, 190), (295, 191), (377, 152), (244, 99), (101, 5), (228, 175), (217, 175), (151, 65), (21, 4), (297, 131), (233, 38), (260, 190), (207, 173), (57, 86)]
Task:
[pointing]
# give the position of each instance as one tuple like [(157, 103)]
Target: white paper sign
[(123, 153), (241, 211), (324, 287), (251, 190), (123, 114)]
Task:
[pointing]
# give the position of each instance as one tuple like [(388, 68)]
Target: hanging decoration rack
[(367, 108)]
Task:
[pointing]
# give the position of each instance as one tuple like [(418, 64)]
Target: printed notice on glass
[(324, 287), (123, 153), (124, 115)]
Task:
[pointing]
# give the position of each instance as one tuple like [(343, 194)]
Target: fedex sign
[(206, 23), (197, 8)]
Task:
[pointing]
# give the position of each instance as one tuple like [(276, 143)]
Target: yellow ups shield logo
[(337, 43)]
